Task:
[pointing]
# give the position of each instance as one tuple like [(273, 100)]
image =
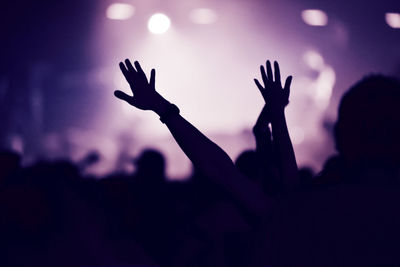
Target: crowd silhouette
[(261, 210)]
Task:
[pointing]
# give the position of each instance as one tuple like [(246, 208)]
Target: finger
[(277, 73), (263, 75), (259, 86), (153, 78), (269, 71), (140, 70), (129, 65), (138, 67), (124, 70), (288, 82), (123, 96)]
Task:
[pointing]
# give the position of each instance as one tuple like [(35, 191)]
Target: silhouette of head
[(151, 163), (368, 125), (306, 175)]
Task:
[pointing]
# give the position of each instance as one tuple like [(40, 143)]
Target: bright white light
[(203, 16), (159, 23), (119, 11), (314, 17), (393, 20)]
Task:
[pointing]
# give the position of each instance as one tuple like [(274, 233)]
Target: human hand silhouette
[(145, 96), (274, 95)]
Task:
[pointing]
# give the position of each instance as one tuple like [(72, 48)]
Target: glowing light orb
[(314, 17), (393, 20), (119, 11), (203, 16), (159, 23)]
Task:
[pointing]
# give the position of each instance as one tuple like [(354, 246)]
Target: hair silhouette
[(368, 125), (151, 165)]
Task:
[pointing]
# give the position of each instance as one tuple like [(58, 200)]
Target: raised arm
[(277, 98), (262, 133), (204, 154)]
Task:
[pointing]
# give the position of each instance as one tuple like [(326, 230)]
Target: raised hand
[(144, 96), (276, 98), (274, 95)]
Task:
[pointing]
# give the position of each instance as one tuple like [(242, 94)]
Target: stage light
[(119, 11), (393, 20), (314, 17), (159, 23), (203, 16)]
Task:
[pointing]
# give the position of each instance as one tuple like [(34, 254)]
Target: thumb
[(123, 96), (259, 86)]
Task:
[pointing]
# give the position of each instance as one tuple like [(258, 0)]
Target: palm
[(276, 96), (144, 93)]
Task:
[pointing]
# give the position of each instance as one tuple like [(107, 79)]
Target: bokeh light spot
[(314, 17), (119, 11), (393, 20), (159, 23)]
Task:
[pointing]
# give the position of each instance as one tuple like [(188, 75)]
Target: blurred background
[(59, 68)]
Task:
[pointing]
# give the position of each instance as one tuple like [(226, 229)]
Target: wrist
[(161, 105), (165, 109), (170, 111)]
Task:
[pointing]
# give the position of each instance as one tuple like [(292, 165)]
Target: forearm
[(284, 151), (213, 161), (263, 140), (262, 132)]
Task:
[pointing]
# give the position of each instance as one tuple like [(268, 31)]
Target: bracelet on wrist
[(170, 111)]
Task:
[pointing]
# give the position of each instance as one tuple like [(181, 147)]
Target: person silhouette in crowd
[(277, 98), (366, 134), (273, 164), (353, 219), (368, 128), (150, 166)]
